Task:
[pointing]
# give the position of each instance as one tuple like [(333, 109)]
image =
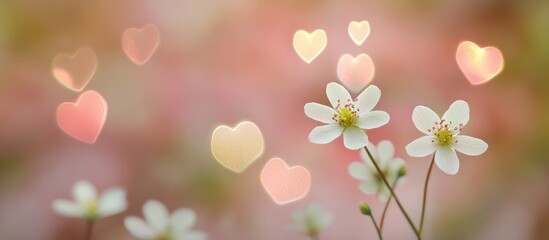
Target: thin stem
[(416, 232), (425, 194), (89, 230), (385, 209), (377, 228)]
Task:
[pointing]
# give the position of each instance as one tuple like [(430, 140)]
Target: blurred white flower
[(346, 116), (88, 205), (393, 168), (443, 136), (311, 221), (160, 225)]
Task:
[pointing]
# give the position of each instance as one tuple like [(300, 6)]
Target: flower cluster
[(380, 172), (159, 225)]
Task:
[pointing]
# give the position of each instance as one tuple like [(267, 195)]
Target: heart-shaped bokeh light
[(140, 44), (309, 45), (237, 148), (355, 73), (285, 184), (75, 71), (84, 119), (359, 31), (479, 65)]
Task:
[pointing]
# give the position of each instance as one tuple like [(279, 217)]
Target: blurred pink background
[(220, 62)]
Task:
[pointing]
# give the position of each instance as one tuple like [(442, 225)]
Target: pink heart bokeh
[(140, 44), (84, 119), (479, 65), (355, 73), (285, 184)]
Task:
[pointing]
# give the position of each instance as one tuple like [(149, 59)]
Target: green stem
[(385, 209), (416, 232), (377, 228), (425, 194)]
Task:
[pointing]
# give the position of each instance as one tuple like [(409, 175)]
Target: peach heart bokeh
[(237, 148), (285, 184), (75, 71), (140, 44), (359, 31), (355, 73), (479, 65), (84, 119), (309, 45)]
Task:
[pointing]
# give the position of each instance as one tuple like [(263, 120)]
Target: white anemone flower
[(311, 221), (347, 116), (392, 168), (160, 225), (88, 205), (443, 136)]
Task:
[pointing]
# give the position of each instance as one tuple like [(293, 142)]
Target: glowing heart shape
[(84, 119), (237, 148), (355, 73), (140, 44), (309, 45), (285, 184), (359, 31), (479, 65), (75, 71)]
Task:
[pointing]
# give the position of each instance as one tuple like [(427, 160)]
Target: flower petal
[(83, 192), (337, 94), (359, 171), (421, 147), (457, 114), (139, 228), (373, 119), (385, 150), (424, 118), (369, 187), (354, 138), (383, 194), (194, 235), (156, 215), (320, 112), (67, 208), (325, 134), (112, 202), (183, 220), (368, 99), (469, 145), (447, 160)]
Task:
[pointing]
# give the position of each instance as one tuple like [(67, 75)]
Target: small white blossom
[(347, 116), (443, 136), (366, 172), (311, 221), (88, 205), (160, 225)]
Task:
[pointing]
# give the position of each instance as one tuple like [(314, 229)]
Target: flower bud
[(402, 171), (365, 209)]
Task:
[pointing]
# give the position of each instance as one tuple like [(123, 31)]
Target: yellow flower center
[(311, 227), (346, 115), (91, 210), (444, 133), (163, 236)]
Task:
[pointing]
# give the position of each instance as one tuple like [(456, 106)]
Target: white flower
[(346, 116), (88, 205), (311, 221), (443, 136), (367, 173), (160, 225)]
